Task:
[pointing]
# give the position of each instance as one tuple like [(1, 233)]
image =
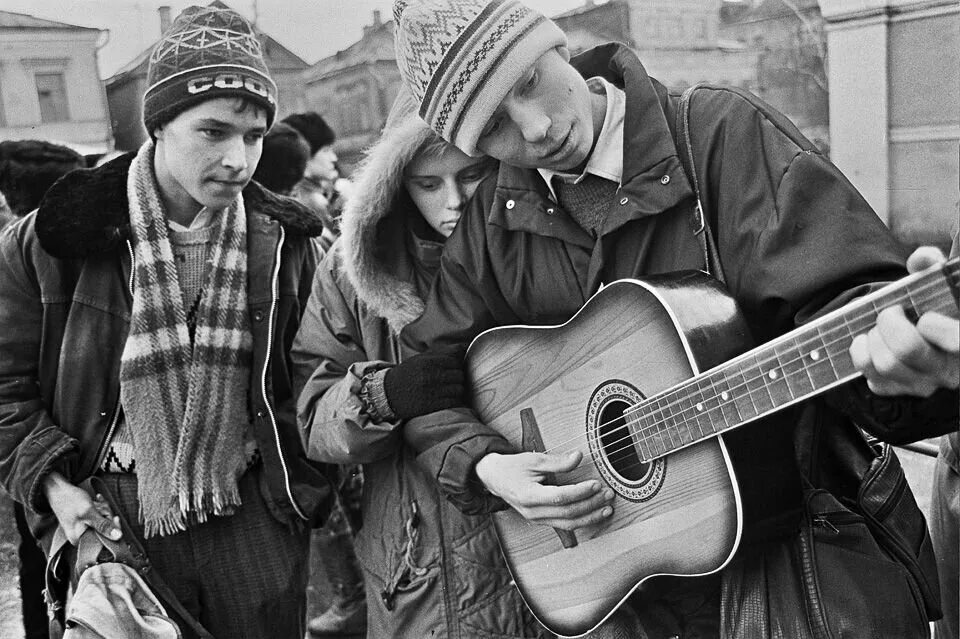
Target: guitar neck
[(795, 367)]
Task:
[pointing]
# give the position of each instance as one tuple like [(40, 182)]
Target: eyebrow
[(214, 122), (469, 167)]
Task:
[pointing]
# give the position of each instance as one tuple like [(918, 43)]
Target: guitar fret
[(644, 444), (757, 387), (744, 402), (788, 354), (670, 423), (774, 378), (657, 438), (789, 369), (698, 410), (689, 418), (727, 407), (823, 372)]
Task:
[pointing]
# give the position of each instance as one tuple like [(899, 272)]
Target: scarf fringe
[(192, 509)]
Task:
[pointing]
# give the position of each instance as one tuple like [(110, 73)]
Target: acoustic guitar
[(622, 383)]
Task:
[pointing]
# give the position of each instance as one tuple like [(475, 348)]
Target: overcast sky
[(313, 29)]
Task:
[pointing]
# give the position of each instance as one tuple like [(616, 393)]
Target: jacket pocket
[(488, 602), (407, 575), (851, 586)]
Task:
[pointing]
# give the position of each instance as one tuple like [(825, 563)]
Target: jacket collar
[(86, 212), (649, 158)]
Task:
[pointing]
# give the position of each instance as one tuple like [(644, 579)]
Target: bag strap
[(142, 563), (127, 550), (711, 256)]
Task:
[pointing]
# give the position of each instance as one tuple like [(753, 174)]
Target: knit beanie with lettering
[(208, 52), (459, 58)]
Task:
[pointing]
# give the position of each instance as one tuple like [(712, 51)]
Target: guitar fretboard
[(790, 369)]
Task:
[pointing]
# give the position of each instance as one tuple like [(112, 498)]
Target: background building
[(50, 85), (126, 87), (787, 42), (354, 89), (894, 78)]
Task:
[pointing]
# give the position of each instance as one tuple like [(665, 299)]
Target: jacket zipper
[(889, 543), (828, 521), (115, 420), (274, 296)]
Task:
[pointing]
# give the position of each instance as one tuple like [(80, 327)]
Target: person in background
[(284, 159), (591, 189), (945, 521), (146, 313), (411, 191), (27, 169), (320, 188)]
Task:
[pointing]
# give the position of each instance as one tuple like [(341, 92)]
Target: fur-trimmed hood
[(87, 212), (373, 230)]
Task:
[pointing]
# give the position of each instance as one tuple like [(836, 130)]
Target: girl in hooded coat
[(430, 570)]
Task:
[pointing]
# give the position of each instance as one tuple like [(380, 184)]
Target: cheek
[(469, 189), (426, 201)]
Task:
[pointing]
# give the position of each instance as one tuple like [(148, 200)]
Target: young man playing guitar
[(591, 190)]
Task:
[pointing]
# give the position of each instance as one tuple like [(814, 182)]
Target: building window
[(52, 94)]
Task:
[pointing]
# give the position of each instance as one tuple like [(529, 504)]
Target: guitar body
[(677, 515)]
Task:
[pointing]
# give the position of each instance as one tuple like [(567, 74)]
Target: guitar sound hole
[(618, 445)]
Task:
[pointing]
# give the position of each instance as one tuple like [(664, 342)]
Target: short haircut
[(28, 168), (313, 128), (284, 159)]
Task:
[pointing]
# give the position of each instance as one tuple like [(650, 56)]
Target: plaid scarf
[(185, 404)]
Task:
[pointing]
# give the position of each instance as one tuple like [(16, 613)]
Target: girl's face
[(440, 185)]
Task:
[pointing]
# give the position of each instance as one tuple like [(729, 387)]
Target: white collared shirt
[(202, 220), (606, 161)]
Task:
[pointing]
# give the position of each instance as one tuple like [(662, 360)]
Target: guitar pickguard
[(611, 445)]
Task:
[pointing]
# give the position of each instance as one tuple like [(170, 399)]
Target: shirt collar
[(203, 219), (606, 161)]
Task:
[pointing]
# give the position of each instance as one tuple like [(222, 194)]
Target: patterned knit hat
[(208, 52), (459, 58)]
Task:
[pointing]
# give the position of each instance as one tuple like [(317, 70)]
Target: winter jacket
[(430, 570), (795, 240), (65, 305)]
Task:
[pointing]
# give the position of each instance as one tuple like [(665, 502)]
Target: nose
[(456, 196), (532, 121), (235, 155)]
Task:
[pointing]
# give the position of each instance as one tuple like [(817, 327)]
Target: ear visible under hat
[(459, 58)]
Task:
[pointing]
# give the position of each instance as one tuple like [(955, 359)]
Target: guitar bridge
[(532, 441)]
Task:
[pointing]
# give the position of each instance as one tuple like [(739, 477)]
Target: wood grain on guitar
[(643, 380)]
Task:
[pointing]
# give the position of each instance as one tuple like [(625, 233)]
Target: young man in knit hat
[(146, 310), (592, 189)]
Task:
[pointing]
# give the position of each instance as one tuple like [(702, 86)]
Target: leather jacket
[(65, 305)]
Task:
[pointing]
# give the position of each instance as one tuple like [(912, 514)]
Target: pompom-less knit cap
[(313, 128), (460, 58), (208, 52)]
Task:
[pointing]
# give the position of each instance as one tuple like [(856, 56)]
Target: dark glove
[(423, 384)]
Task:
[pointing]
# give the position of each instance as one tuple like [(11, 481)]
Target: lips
[(230, 184), (558, 150)]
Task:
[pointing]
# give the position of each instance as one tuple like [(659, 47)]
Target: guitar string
[(819, 340), (845, 326), (586, 473), (660, 430), (760, 364)]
